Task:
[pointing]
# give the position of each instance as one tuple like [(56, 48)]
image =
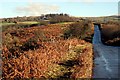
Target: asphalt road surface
[(106, 60)]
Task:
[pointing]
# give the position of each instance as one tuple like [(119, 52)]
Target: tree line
[(53, 18)]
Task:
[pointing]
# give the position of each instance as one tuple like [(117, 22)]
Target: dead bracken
[(46, 54)]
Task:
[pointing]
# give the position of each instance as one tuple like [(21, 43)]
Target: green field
[(65, 23), (6, 24), (26, 22)]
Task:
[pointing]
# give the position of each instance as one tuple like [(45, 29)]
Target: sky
[(78, 8)]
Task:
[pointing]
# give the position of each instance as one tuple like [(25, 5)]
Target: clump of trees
[(61, 18)]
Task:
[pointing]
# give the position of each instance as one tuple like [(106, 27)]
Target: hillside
[(45, 52), (104, 19)]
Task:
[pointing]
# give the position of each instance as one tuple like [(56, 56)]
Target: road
[(105, 58)]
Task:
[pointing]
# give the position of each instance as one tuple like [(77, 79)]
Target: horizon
[(87, 8), (60, 13)]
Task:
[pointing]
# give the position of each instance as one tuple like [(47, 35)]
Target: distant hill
[(104, 18), (52, 17)]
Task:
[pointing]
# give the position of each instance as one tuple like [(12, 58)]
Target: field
[(1, 24), (17, 25), (25, 22), (111, 33), (46, 52), (28, 22)]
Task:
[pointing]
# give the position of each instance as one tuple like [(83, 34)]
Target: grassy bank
[(111, 33)]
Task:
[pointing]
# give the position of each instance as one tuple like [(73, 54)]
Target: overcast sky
[(13, 8)]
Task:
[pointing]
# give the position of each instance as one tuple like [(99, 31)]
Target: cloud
[(36, 9)]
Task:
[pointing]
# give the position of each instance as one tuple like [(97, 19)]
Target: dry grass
[(111, 33), (58, 58)]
